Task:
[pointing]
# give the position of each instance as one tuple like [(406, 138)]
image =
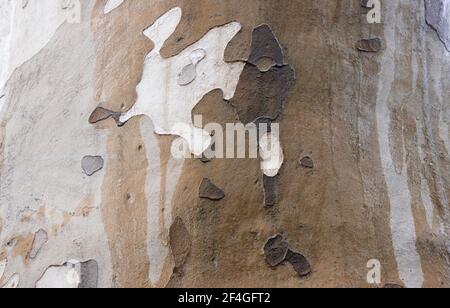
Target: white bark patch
[(3, 265), (12, 283), (402, 220), (112, 5), (25, 30), (2, 268), (159, 212), (164, 100), (72, 274), (66, 276), (271, 154)]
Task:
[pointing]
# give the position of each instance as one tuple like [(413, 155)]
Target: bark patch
[(263, 89), (270, 190), (101, 114), (40, 239), (265, 46), (369, 45), (210, 191), (277, 252), (262, 94), (92, 164), (299, 263), (180, 242), (88, 275), (307, 162), (438, 17)]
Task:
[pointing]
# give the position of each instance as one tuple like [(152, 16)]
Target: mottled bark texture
[(92, 198)]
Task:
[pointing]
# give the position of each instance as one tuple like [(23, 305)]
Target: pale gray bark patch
[(189, 72), (40, 239), (92, 164), (438, 17)]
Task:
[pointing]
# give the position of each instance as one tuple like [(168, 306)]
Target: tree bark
[(89, 186)]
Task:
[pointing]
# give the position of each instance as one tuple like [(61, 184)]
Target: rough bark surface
[(364, 118)]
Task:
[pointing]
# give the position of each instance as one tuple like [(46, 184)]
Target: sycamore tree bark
[(97, 97)]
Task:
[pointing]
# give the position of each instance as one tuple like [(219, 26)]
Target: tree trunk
[(97, 97)]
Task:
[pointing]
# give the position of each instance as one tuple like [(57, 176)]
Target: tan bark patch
[(124, 206), (22, 248), (86, 206)]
